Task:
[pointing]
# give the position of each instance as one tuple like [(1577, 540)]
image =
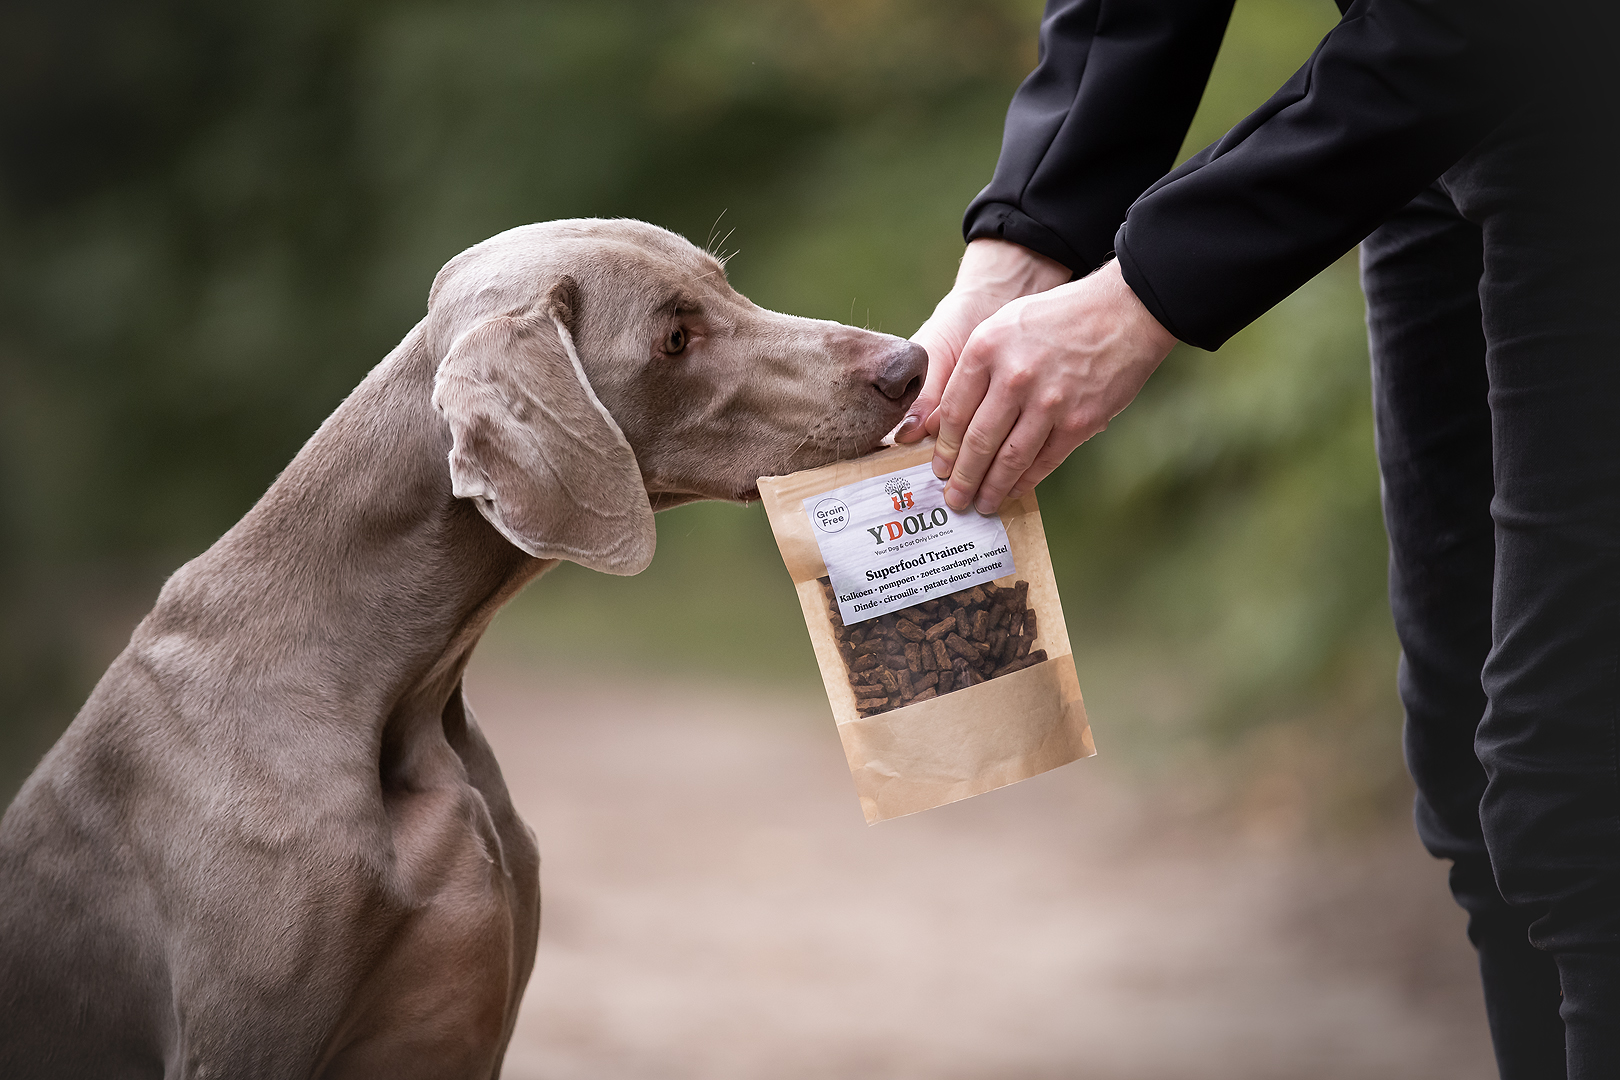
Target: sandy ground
[(715, 907)]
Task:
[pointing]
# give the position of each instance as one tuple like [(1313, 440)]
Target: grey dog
[(274, 842)]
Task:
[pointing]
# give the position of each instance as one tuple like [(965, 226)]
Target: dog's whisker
[(808, 435), (708, 245)]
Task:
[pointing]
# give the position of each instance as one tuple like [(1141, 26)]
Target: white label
[(891, 542)]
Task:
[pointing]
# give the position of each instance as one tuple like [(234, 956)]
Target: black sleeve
[(1099, 119), (1394, 95)]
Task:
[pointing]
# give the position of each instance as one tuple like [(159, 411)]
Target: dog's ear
[(534, 448)]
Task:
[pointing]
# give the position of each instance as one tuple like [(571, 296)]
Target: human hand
[(1035, 380), (992, 273)]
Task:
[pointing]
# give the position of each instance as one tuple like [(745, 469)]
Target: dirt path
[(715, 907)]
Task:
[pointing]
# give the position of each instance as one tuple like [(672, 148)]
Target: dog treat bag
[(939, 634)]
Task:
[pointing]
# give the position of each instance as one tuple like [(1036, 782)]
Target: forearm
[(1098, 120), (1395, 95)]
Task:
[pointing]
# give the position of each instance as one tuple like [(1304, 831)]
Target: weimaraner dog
[(274, 842)]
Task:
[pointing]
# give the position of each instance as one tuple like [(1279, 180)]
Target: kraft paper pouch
[(939, 634)]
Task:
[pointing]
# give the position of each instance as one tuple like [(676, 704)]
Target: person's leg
[(1421, 273), (1550, 739)]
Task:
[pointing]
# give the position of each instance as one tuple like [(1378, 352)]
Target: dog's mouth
[(878, 442)]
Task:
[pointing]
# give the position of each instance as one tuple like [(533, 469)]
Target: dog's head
[(594, 371)]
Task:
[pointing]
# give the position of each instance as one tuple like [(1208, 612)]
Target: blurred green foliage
[(216, 218)]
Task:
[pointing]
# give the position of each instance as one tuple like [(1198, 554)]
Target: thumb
[(941, 360), (944, 335)]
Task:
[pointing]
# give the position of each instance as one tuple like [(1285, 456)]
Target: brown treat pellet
[(1008, 668), (958, 645), (909, 630), (1036, 657)]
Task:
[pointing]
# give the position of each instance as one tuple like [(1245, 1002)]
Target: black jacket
[(1392, 97)]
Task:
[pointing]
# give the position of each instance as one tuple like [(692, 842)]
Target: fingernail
[(956, 499), (907, 426)]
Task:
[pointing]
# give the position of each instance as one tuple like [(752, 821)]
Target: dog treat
[(919, 665), (939, 633)]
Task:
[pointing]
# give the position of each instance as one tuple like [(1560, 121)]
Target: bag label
[(891, 542)]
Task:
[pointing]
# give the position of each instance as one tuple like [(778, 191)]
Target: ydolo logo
[(899, 489)]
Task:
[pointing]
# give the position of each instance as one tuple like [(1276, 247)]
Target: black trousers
[(1493, 311)]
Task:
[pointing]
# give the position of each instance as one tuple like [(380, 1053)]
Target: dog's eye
[(675, 344)]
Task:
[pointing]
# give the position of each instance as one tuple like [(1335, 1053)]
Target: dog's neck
[(355, 590)]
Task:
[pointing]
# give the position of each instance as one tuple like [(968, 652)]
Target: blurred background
[(216, 218)]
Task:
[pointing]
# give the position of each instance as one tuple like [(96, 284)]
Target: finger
[(941, 359), (992, 422), (1056, 451), (970, 378), (1018, 452)]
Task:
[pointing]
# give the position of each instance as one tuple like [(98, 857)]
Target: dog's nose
[(901, 371)]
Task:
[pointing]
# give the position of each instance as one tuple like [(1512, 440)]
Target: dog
[(274, 843)]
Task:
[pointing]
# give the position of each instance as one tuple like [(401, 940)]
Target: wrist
[(1145, 326), (1003, 270)]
